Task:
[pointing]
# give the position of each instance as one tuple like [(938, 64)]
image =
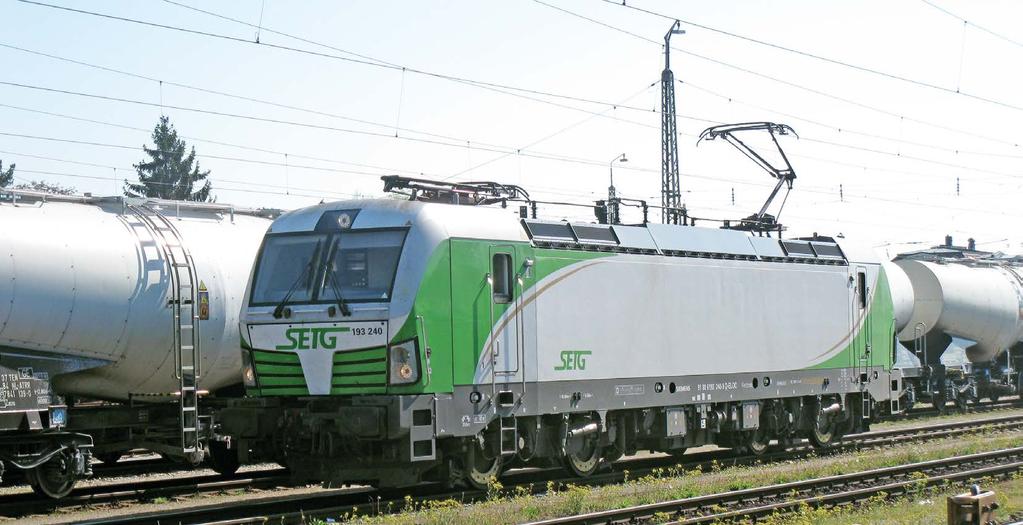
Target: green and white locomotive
[(391, 342)]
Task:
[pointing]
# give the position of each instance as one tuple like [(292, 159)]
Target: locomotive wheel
[(584, 461), (677, 452), (823, 434), (481, 471), (758, 442), (53, 479), (223, 460)]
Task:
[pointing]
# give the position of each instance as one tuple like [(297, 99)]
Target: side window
[(502, 275), (861, 288)]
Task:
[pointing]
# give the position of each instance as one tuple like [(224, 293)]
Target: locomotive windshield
[(317, 267)]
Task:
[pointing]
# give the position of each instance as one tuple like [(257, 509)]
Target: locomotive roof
[(503, 224)]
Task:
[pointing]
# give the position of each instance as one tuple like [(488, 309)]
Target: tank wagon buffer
[(962, 343), (117, 317), (391, 341)]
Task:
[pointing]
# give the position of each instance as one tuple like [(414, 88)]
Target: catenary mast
[(671, 193)]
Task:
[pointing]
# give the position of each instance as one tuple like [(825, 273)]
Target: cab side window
[(501, 272)]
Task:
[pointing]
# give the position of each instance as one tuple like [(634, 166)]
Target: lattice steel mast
[(671, 191)]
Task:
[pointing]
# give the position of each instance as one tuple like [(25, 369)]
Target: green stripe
[(380, 367), (265, 381), (380, 378), (357, 389), (285, 391), (360, 355), (279, 369), (275, 357)]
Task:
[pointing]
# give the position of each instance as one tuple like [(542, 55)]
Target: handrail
[(426, 349), (493, 343)]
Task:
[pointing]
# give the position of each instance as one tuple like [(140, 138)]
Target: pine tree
[(6, 177), (170, 172)]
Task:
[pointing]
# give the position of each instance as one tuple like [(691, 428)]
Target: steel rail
[(29, 503), (363, 501), (817, 492)]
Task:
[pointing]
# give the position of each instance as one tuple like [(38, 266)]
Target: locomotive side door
[(862, 322), (505, 293)]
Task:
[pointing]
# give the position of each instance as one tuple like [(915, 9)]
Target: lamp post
[(613, 216)]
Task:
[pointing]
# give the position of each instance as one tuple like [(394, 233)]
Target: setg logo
[(573, 360), (311, 338)]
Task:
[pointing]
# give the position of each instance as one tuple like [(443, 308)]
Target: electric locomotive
[(389, 342)]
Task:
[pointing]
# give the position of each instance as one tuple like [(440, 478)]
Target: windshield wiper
[(279, 310), (341, 303)]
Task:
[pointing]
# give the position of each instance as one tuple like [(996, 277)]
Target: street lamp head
[(623, 158)]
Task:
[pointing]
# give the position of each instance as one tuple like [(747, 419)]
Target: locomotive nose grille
[(359, 371), (279, 373)]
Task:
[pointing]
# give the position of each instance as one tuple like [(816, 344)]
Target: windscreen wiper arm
[(341, 303), (279, 309)]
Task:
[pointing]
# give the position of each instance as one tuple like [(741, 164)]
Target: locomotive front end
[(334, 351)]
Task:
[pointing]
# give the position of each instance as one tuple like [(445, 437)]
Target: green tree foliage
[(6, 177), (47, 187), (171, 171)]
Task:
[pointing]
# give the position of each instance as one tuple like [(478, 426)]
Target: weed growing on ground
[(501, 507)]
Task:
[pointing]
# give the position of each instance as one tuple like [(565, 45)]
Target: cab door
[(504, 325), (863, 343)]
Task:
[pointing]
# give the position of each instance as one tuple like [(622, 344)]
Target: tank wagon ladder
[(186, 342)]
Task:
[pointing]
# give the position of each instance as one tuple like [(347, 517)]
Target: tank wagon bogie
[(398, 341), (116, 314)]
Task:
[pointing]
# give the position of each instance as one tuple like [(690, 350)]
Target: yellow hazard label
[(204, 302)]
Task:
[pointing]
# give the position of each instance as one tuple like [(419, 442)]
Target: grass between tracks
[(923, 507), (508, 506)]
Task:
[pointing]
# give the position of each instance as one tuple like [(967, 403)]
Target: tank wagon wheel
[(962, 402), (223, 460), (53, 479), (109, 458), (480, 470)]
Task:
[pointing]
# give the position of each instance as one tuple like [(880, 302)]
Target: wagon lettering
[(573, 360), (311, 338)]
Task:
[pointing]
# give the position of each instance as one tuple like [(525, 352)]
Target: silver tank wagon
[(111, 299)]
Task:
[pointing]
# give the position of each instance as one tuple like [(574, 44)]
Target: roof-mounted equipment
[(469, 193), (760, 221)]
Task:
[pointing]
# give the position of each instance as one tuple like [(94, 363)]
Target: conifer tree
[(171, 172), (6, 177)]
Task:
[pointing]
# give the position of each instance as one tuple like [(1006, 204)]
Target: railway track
[(827, 491), (27, 503), (365, 500), (145, 463)]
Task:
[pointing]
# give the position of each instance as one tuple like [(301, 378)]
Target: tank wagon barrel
[(967, 317), (115, 315)]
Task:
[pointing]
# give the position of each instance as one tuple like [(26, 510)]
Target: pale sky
[(899, 185)]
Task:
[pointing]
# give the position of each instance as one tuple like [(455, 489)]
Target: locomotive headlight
[(248, 371), (404, 363)]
